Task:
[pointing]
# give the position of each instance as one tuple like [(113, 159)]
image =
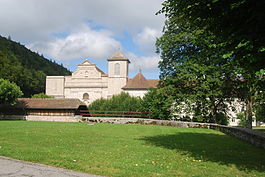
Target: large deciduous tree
[(209, 43)]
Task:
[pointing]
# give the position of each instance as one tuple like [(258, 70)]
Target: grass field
[(131, 150), (260, 129)]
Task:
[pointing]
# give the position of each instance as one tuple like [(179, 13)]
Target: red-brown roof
[(49, 103), (140, 82)]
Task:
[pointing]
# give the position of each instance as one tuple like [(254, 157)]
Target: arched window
[(117, 69), (86, 74), (85, 96)]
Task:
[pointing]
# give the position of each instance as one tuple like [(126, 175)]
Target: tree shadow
[(212, 147)]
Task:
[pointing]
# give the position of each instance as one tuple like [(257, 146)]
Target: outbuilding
[(50, 109)]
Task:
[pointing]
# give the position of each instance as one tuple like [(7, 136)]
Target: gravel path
[(17, 168)]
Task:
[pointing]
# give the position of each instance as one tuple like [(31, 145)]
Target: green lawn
[(131, 150), (260, 129)]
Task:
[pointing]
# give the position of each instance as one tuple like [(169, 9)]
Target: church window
[(85, 96), (86, 74), (117, 69)]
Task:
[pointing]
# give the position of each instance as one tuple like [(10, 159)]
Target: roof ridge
[(139, 82)]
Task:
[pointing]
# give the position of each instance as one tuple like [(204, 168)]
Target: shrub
[(221, 118), (158, 104), (41, 95), (243, 120), (260, 112), (186, 119), (9, 92), (120, 102)]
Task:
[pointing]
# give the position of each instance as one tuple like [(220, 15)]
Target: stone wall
[(254, 137), (145, 122), (12, 117)]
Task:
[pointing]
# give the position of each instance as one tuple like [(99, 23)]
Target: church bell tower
[(118, 66)]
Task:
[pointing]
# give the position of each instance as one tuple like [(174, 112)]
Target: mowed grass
[(260, 129), (130, 150)]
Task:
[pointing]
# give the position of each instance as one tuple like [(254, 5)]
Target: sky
[(70, 31)]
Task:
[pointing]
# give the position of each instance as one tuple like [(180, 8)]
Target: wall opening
[(117, 69), (85, 96)]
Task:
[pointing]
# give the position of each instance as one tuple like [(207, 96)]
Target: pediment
[(86, 62)]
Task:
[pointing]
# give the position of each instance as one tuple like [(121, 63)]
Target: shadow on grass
[(212, 147)]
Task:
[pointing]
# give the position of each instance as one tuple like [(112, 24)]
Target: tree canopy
[(211, 51), (238, 26), (26, 68), (9, 92)]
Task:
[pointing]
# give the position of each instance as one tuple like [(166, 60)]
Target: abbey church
[(89, 83)]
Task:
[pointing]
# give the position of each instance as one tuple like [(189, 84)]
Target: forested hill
[(26, 68)]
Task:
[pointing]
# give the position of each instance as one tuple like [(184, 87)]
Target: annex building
[(89, 83)]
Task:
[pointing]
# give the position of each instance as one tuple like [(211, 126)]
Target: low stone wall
[(42, 118), (254, 137), (12, 117), (145, 122)]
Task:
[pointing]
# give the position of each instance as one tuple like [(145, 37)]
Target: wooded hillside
[(26, 68)]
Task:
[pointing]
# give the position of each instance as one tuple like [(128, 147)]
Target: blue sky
[(70, 31)]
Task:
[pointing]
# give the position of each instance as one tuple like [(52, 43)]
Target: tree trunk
[(249, 110), (213, 111)]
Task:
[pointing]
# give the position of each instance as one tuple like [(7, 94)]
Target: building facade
[(89, 83)]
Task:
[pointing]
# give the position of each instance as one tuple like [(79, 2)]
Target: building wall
[(123, 68), (64, 112), (117, 80), (136, 93), (93, 93), (55, 86), (86, 80), (115, 85), (90, 81), (233, 108)]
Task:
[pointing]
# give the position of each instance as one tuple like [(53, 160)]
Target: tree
[(158, 103), (41, 95), (224, 32), (198, 76), (237, 24), (9, 92), (26, 68)]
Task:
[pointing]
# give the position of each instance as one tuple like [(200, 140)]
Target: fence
[(92, 113)]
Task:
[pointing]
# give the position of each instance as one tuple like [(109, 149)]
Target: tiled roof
[(118, 56), (49, 103), (140, 82), (153, 83)]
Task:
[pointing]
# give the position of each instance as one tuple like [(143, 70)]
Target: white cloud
[(85, 43), (35, 24), (146, 39), (142, 62), (31, 20)]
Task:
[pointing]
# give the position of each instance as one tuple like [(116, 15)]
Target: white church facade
[(89, 83)]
